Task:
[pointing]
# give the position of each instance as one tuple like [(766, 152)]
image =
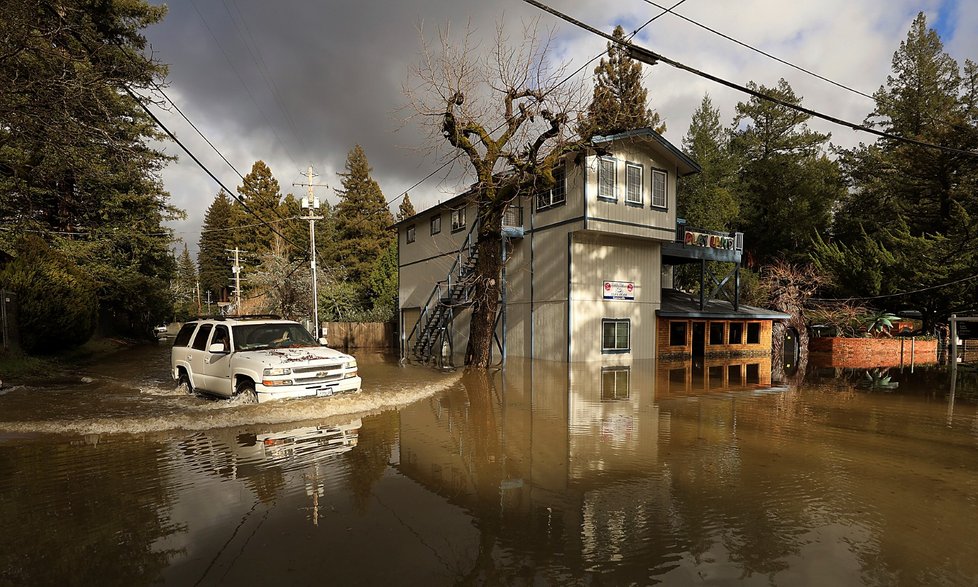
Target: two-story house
[(588, 267)]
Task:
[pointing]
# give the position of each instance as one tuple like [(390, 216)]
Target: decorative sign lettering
[(713, 241), (619, 290)]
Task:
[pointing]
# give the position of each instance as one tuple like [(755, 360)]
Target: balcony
[(694, 244)]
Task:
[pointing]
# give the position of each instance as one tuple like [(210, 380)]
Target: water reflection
[(694, 472), (624, 473)]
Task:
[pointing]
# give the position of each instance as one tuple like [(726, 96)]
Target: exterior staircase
[(448, 295)]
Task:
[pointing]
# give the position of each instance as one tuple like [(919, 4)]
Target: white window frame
[(410, 234), (458, 219), (602, 172), (629, 166), (547, 199), (620, 383), (660, 199), (618, 322), (435, 224)]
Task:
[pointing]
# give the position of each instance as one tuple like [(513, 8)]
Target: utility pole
[(311, 204), (208, 302), (236, 269)]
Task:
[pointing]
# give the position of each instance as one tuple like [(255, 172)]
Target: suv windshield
[(250, 337)]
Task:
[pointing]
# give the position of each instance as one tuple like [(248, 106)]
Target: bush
[(57, 304)]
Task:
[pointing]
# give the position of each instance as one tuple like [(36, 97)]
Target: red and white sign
[(619, 290)]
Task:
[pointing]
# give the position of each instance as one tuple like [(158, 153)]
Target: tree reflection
[(86, 515)]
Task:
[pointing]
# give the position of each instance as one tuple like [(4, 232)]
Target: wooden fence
[(361, 335)]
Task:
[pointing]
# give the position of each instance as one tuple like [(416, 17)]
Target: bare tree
[(505, 112)]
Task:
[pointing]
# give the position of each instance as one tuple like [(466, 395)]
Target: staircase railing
[(436, 311)]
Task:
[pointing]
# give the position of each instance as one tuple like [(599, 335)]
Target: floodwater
[(542, 474)]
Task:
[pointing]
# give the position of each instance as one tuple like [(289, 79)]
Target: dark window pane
[(677, 334), (754, 333), (200, 341), (716, 332)]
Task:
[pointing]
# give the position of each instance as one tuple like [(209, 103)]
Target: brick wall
[(865, 353)]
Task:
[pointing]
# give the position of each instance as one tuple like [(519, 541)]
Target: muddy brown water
[(540, 474)]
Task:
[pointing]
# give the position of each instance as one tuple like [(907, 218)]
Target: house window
[(615, 383), (633, 183), (658, 189), (606, 178), (736, 333), (458, 219), (677, 334), (753, 333), (716, 332), (410, 234), (615, 336), (557, 195), (734, 375), (436, 224)]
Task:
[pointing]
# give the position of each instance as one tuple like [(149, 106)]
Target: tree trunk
[(486, 291)]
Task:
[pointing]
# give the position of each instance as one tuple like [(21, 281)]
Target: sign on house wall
[(713, 241), (619, 290)]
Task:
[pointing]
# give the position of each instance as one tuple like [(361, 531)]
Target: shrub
[(57, 304)]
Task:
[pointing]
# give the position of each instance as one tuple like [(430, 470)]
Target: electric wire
[(651, 57), (762, 52), (557, 85), (899, 294)]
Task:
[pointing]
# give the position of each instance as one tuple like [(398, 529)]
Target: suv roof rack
[(255, 317)]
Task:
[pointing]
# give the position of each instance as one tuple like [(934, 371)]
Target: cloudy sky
[(298, 83)]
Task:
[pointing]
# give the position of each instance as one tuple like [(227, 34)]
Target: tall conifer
[(362, 218), (212, 256), (620, 101)]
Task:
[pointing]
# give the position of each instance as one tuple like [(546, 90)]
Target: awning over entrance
[(678, 304)]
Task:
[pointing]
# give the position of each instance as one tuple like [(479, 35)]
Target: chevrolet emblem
[(322, 374)]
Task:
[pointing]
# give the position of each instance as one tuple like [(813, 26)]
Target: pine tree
[(908, 220), (787, 185), (406, 209), (185, 287), (212, 255), (707, 199), (620, 101), (362, 218), (79, 154), (260, 193)]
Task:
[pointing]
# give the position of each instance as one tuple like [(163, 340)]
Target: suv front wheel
[(246, 390)]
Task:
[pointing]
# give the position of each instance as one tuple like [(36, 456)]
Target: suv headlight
[(352, 365), (277, 371)]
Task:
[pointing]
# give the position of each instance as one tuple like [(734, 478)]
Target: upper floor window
[(458, 219), (411, 233), (753, 333), (633, 183), (557, 195), (606, 178), (615, 336), (436, 224), (658, 189)]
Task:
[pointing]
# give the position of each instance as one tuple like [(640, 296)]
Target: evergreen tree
[(707, 199), (362, 219), (406, 209), (907, 223), (787, 186), (620, 101), (212, 255), (76, 155), (260, 192), (185, 287)]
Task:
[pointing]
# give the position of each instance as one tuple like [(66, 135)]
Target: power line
[(227, 58), (557, 85), (755, 49), (651, 58), (894, 295)]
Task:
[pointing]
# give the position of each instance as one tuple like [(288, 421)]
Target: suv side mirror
[(322, 341), (217, 347)]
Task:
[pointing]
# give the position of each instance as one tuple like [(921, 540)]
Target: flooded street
[(542, 474)]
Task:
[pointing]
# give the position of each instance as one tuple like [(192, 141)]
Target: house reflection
[(554, 458)]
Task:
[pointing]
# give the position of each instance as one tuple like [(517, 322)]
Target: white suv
[(265, 358)]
